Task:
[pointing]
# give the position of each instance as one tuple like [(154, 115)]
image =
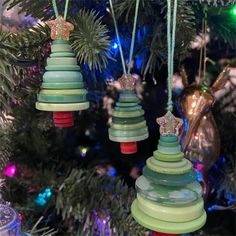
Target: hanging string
[(205, 43), (66, 9), (118, 37), (200, 58), (54, 4), (133, 36), (203, 51), (171, 48)]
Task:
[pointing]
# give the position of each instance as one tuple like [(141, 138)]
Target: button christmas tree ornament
[(128, 123), (62, 89), (169, 198)]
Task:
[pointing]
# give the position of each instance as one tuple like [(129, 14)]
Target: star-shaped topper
[(169, 124), (127, 82), (60, 29)]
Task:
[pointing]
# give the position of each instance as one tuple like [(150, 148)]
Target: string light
[(10, 170), (43, 197), (233, 10), (114, 45), (83, 151)]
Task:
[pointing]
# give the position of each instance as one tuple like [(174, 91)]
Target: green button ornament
[(128, 125), (62, 88)]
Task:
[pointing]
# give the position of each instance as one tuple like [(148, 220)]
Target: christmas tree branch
[(83, 193)]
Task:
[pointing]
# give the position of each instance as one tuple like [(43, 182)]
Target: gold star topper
[(127, 82), (60, 29), (169, 124)]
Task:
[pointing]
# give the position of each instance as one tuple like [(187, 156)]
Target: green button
[(64, 91), (128, 109), (128, 126), (164, 226), (127, 121), (71, 85), (62, 54), (61, 98), (128, 139), (170, 180), (153, 164), (60, 41), (168, 157), (124, 114), (63, 68), (169, 195), (127, 133), (169, 138), (62, 76), (126, 104), (62, 107)]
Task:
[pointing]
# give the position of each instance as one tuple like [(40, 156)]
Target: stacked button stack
[(169, 199), (63, 88), (128, 123)]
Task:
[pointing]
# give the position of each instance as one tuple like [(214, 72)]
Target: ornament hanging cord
[(203, 59), (54, 4), (171, 49), (133, 37)]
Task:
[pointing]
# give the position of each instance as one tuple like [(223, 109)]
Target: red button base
[(162, 234), (63, 119), (128, 148)]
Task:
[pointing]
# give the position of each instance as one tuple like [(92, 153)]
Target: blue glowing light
[(212, 208), (43, 197), (139, 35), (139, 62), (114, 45), (199, 176), (112, 171), (48, 192), (231, 199), (185, 125)]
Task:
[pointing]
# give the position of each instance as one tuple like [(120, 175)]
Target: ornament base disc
[(128, 148), (63, 119), (164, 226)]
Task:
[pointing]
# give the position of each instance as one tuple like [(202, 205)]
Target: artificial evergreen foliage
[(50, 158)]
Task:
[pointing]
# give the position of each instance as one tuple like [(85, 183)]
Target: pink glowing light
[(199, 167), (10, 171)]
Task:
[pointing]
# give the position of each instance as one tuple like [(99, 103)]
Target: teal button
[(62, 76), (125, 121), (170, 180), (61, 98), (72, 85)]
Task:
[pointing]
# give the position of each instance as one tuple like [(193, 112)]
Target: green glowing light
[(233, 10)]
